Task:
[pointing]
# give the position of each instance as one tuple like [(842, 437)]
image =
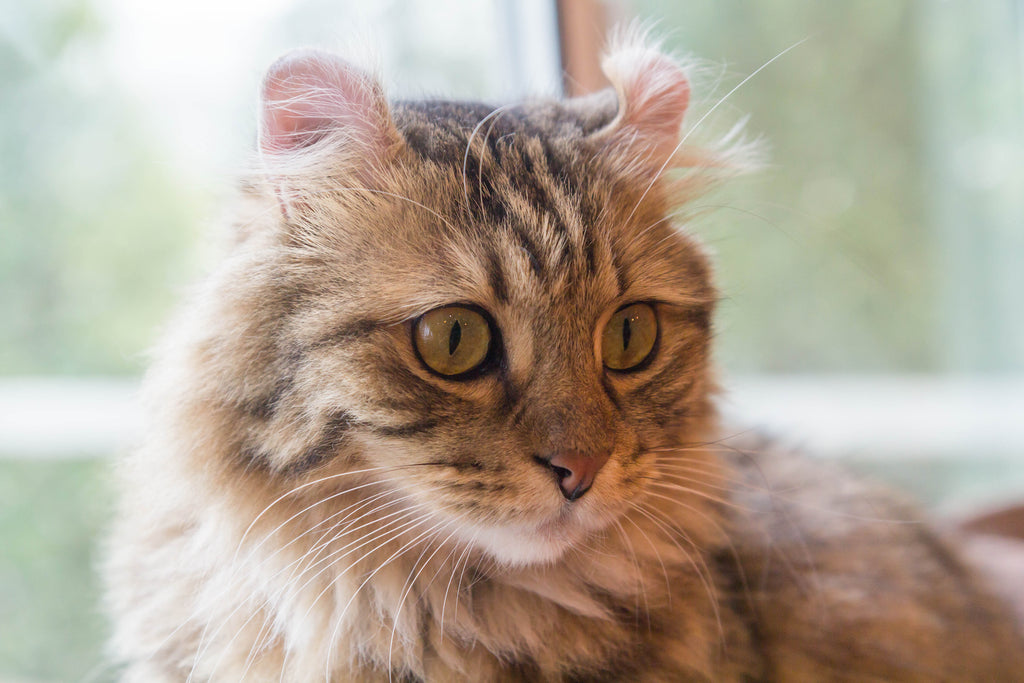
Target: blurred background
[(873, 274)]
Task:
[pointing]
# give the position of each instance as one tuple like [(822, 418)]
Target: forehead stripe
[(495, 273), (527, 246)]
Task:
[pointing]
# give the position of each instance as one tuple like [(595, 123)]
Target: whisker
[(469, 145), (280, 592), (703, 515), (701, 120), (335, 189), (334, 557), (238, 568), (455, 567), (458, 588), (657, 553), (408, 587), (703, 571), (641, 589), (292, 492), (701, 494), (779, 494), (483, 148), (311, 555), (392, 535), (235, 558), (340, 618)]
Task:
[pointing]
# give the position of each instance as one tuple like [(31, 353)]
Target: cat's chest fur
[(445, 412)]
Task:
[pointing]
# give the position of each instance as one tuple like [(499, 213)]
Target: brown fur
[(313, 503)]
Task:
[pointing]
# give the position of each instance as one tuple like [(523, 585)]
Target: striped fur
[(312, 503)]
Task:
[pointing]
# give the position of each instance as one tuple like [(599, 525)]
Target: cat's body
[(322, 496)]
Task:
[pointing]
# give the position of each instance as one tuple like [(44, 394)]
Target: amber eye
[(629, 336), (452, 340)]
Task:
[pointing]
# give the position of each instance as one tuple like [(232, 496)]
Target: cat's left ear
[(653, 94), (309, 95)]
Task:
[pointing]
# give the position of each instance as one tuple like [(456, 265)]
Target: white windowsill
[(833, 416)]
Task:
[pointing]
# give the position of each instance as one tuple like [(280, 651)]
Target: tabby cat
[(445, 412)]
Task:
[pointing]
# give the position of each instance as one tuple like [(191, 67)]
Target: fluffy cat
[(445, 412)]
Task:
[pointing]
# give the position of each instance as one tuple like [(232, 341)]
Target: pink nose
[(575, 470)]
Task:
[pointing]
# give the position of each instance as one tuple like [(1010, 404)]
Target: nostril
[(560, 472), (575, 471)]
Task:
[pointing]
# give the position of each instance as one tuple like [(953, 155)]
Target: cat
[(445, 411)]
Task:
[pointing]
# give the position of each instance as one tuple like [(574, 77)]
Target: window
[(871, 275)]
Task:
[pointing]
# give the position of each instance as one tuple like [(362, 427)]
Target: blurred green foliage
[(824, 257), (97, 230), (51, 624), (863, 246)]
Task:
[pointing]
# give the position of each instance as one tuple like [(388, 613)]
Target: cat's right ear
[(309, 96)]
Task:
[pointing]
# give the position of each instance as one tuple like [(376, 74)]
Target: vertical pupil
[(626, 333), (454, 338)]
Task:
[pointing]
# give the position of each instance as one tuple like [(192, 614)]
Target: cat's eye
[(629, 336), (452, 340)]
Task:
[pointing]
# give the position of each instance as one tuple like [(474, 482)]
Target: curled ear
[(308, 95), (653, 94)]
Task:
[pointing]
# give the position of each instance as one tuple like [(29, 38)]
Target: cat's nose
[(575, 470)]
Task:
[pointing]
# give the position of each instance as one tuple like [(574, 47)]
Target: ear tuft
[(653, 93), (308, 95)]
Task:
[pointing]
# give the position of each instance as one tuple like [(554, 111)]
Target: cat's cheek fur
[(497, 498)]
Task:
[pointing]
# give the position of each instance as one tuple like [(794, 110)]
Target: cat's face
[(492, 305)]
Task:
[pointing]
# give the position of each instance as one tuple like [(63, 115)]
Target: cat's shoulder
[(844, 574)]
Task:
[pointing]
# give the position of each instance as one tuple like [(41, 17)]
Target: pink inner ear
[(308, 94), (653, 96)]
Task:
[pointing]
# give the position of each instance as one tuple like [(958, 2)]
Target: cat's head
[(493, 305)]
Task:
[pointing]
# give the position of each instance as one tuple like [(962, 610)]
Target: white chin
[(521, 546)]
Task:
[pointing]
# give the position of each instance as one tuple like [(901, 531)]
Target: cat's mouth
[(536, 542), (550, 529)]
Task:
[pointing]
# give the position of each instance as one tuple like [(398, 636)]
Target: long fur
[(313, 503)]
